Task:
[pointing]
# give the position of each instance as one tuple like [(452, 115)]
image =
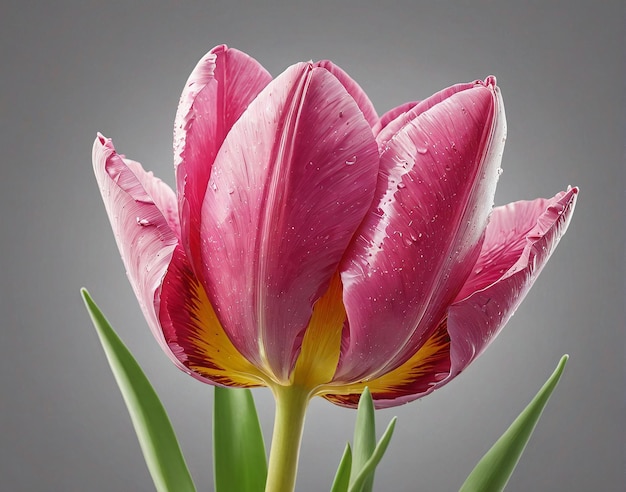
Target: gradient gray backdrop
[(72, 68)]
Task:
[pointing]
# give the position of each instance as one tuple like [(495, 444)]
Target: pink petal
[(520, 238), (354, 89), (163, 196), (386, 133), (391, 115), (194, 334), (146, 236), (289, 187), (422, 236), (414, 379), (218, 90)]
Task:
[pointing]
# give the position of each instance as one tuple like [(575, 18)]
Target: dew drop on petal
[(143, 222), (351, 161)]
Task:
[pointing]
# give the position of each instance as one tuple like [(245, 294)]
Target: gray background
[(70, 69)]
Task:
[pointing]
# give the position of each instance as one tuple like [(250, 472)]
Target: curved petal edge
[(140, 208), (520, 239)]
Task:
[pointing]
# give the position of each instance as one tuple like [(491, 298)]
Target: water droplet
[(351, 161), (422, 150), (401, 185), (500, 171), (341, 114), (143, 222)]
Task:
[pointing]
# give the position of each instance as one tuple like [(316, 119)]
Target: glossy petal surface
[(409, 111), (354, 89), (422, 236), (289, 186), (217, 92)]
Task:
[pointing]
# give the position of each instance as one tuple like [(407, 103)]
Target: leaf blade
[(342, 477), (367, 471), (155, 433), (496, 467), (364, 440), (239, 458)]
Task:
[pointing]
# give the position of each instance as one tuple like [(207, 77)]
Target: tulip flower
[(315, 248)]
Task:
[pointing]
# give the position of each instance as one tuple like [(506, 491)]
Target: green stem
[(291, 405)]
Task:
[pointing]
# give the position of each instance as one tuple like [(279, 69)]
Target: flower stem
[(291, 405)]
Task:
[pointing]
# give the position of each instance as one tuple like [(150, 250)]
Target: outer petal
[(218, 90), (140, 210), (194, 334), (423, 234), (414, 379), (518, 242), (387, 132), (289, 187), (354, 89), (162, 195), (520, 238)]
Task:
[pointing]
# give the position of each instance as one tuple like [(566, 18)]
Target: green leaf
[(495, 468), (364, 440), (367, 471), (342, 477), (152, 425), (239, 459)]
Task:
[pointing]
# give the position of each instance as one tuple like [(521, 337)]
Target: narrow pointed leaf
[(364, 439), (367, 471), (342, 477), (152, 425), (238, 450), (495, 468)]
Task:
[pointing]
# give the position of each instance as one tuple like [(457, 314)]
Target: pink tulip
[(313, 244)]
